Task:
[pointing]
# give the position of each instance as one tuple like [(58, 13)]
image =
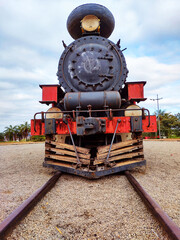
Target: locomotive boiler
[(94, 126)]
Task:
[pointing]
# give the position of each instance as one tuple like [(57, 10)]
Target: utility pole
[(157, 99)]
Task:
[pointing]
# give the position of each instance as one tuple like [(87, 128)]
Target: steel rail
[(26, 206), (171, 228)]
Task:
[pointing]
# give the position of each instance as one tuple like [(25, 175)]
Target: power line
[(157, 99)]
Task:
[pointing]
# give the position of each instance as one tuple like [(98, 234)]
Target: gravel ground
[(78, 208)]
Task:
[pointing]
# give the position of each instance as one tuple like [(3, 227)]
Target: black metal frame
[(95, 174)]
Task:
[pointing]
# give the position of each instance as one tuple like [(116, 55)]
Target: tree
[(177, 125), (21, 131), (170, 124), (1, 137), (9, 133), (26, 129)]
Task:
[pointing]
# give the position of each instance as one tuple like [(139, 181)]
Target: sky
[(31, 34)]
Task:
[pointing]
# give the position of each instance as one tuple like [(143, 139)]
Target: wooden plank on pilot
[(129, 162), (47, 144), (67, 159), (69, 147), (103, 149), (62, 164), (66, 152), (119, 151), (119, 157)]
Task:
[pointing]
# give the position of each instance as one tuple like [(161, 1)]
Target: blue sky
[(31, 32)]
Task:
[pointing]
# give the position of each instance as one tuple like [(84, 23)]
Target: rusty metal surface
[(97, 100), (95, 174), (50, 126), (148, 122), (136, 124), (25, 207), (171, 228), (77, 156), (106, 161), (92, 63), (90, 125)]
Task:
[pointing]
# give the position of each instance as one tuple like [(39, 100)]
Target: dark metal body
[(136, 124), (106, 19), (96, 174), (95, 100), (171, 228), (90, 125), (92, 63), (92, 76), (50, 126)]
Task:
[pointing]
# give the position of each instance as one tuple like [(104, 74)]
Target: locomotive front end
[(94, 127)]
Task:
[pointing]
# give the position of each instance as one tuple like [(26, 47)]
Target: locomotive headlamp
[(54, 112), (90, 23), (133, 110)]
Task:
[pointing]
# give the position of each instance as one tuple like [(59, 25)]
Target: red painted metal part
[(49, 93), (61, 127), (39, 126), (136, 91), (123, 127), (153, 124)]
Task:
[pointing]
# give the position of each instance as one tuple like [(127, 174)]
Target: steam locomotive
[(94, 126)]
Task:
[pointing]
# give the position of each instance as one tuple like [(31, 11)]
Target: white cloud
[(162, 79), (21, 74), (31, 32), (151, 70), (43, 24), (147, 20)]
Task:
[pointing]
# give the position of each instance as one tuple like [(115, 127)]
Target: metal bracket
[(65, 120), (136, 124), (106, 162), (90, 125), (50, 126)]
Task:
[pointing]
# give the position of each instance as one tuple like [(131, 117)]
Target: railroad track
[(20, 212), (169, 226)]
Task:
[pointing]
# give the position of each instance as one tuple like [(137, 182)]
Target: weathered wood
[(69, 147), (60, 138), (66, 152), (62, 164), (119, 151), (67, 159), (103, 149), (129, 162), (48, 145), (47, 152), (119, 157)]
